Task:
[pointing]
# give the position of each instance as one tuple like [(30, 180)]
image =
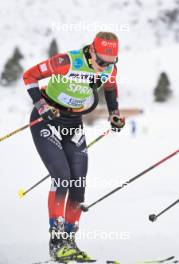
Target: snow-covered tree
[(12, 69), (162, 91), (53, 49)]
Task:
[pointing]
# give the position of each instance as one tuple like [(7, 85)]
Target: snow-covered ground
[(116, 158)]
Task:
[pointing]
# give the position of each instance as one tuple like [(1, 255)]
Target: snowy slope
[(31, 24), (24, 225)]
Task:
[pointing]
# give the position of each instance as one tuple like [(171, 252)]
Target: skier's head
[(104, 50)]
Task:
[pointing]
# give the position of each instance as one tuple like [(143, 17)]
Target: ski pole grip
[(56, 111)]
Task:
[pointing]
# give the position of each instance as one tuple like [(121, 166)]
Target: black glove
[(116, 121), (46, 111)]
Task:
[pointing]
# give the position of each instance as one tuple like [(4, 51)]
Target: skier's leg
[(78, 162), (76, 154), (51, 152)]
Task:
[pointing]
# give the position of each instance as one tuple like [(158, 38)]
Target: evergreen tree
[(12, 69), (162, 91), (53, 49)]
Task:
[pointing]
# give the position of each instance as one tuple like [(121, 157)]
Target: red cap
[(106, 46)]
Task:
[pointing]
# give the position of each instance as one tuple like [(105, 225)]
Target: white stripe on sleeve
[(32, 85)]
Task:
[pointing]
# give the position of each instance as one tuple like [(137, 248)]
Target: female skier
[(72, 91)]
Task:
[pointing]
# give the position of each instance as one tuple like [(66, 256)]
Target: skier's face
[(100, 61)]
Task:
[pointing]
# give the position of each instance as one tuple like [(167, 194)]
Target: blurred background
[(148, 80)]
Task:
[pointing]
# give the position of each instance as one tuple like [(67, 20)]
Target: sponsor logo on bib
[(70, 101), (79, 88), (78, 63)]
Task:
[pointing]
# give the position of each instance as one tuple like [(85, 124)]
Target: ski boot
[(56, 240), (59, 248), (80, 256)]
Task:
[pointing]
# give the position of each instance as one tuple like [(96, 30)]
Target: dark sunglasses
[(103, 63)]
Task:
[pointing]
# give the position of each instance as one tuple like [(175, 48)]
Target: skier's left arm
[(111, 96)]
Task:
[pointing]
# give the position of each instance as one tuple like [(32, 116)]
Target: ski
[(67, 262), (108, 261), (45, 262), (156, 261), (112, 262), (76, 262), (56, 262)]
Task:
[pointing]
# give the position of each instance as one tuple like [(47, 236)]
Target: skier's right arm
[(58, 64)]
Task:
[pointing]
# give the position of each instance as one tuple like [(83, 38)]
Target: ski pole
[(98, 138), (23, 192), (158, 261), (85, 208), (21, 128), (153, 217)]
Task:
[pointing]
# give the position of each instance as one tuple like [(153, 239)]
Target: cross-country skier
[(75, 78)]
